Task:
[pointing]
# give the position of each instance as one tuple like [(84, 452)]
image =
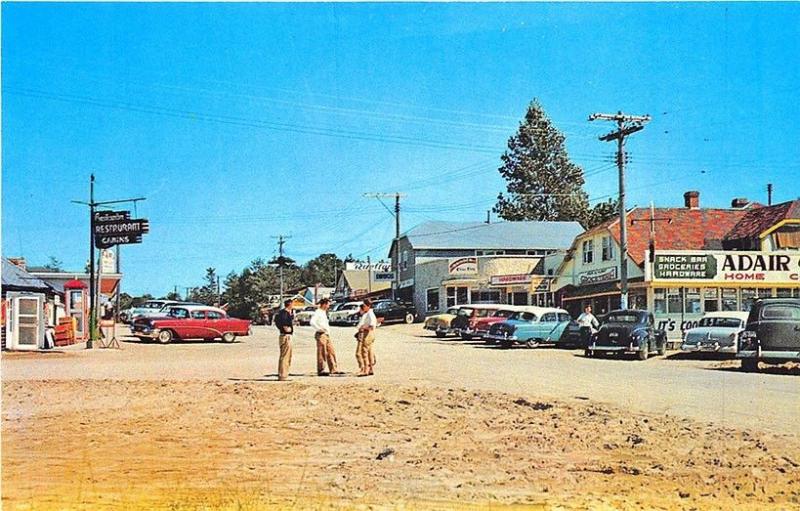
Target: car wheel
[(532, 343), (409, 319), (662, 350), (750, 365), (165, 336), (228, 337), (440, 334)]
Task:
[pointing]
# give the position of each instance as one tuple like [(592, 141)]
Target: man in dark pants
[(284, 321)]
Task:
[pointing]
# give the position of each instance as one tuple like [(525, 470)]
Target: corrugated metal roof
[(17, 278), (501, 235)]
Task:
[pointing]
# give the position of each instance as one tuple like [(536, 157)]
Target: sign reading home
[(510, 280), (726, 267), (118, 228), (463, 266), (597, 276)]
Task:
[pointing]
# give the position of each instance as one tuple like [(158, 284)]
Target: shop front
[(684, 285)]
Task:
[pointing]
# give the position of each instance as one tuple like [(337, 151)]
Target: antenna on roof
[(488, 216)]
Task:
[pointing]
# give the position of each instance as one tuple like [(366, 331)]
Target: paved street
[(706, 390)]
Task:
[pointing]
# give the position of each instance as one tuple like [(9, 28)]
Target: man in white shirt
[(322, 329), (366, 338), (587, 320)]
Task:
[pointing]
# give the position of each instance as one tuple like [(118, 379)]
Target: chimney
[(692, 199), (739, 202), (18, 261)]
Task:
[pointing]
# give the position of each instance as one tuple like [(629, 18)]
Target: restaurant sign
[(510, 280), (463, 266), (117, 228), (726, 267), (597, 276)]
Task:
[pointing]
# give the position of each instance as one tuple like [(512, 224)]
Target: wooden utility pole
[(397, 196), (280, 261), (626, 125)]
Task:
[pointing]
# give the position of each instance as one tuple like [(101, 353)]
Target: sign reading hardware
[(118, 228), (732, 266), (517, 278), (463, 266), (597, 276)]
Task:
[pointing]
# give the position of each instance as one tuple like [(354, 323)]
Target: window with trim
[(213, 315), (608, 248), (729, 299), (432, 300), (674, 300), (198, 315), (710, 295), (456, 296), (691, 304), (588, 251)]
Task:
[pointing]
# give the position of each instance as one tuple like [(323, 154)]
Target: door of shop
[(25, 321)]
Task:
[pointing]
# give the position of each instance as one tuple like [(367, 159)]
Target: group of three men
[(326, 355)]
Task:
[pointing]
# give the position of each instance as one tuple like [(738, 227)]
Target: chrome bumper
[(769, 355), (615, 349), (708, 348), (500, 337)]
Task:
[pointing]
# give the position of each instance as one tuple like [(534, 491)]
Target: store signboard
[(725, 267), (510, 280), (540, 284), (383, 276), (362, 266), (597, 276), (463, 266)]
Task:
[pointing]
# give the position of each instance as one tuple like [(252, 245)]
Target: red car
[(482, 325), (191, 322)]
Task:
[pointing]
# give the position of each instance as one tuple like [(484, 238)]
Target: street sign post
[(118, 228)]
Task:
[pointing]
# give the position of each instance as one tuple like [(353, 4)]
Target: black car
[(628, 332), (772, 333), (390, 311)]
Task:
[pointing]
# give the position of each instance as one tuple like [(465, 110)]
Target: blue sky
[(239, 122)]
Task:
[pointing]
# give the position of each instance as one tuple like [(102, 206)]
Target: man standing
[(284, 321), (366, 338), (322, 329), (588, 324)]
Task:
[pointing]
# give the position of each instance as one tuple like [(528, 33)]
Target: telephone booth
[(77, 307)]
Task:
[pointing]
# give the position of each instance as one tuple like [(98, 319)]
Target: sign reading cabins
[(726, 267)]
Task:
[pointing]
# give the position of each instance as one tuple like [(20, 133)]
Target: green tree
[(172, 295), (54, 265), (601, 212), (139, 300), (542, 182), (321, 270), (207, 293)]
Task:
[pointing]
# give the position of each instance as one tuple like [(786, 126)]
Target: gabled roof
[(689, 229), (15, 278), (758, 220), (500, 235), (359, 279)]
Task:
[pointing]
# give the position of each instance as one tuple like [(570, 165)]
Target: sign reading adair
[(463, 266), (731, 266), (118, 228)]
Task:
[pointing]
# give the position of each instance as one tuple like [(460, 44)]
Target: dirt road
[(444, 425)]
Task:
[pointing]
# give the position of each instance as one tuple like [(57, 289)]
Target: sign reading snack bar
[(726, 267), (463, 266)]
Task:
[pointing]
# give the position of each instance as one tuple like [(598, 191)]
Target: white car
[(303, 317), (347, 314), (716, 332)]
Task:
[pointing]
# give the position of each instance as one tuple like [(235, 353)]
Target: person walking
[(588, 324), (284, 321), (322, 329), (365, 355)]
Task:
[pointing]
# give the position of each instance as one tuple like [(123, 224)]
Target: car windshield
[(524, 316), (175, 312), (721, 322), (623, 317), (465, 312), (153, 305), (503, 314)]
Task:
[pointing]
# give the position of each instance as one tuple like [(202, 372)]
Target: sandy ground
[(444, 425)]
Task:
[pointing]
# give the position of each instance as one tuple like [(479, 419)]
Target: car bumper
[(631, 348), (501, 338), (770, 355), (147, 332), (708, 348)]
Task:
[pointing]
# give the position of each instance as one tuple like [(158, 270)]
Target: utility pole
[(219, 295), (769, 194), (280, 261), (397, 196), (652, 245), (626, 125), (92, 292), (489, 216)]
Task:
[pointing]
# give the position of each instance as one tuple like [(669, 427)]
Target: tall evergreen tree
[(543, 184)]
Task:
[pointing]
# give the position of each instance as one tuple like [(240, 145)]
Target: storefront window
[(710, 299), (787, 292), (691, 303), (674, 301), (637, 300), (432, 300), (748, 297), (481, 296), (519, 298), (660, 301), (462, 295), (729, 300)]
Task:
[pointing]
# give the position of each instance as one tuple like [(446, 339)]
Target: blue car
[(531, 326)]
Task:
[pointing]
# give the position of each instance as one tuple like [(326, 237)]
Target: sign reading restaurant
[(463, 266), (721, 267)]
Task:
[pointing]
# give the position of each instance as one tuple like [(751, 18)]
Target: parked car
[(346, 314), (150, 306), (716, 332), (772, 334), (467, 317), (303, 317), (530, 326), (482, 325), (191, 322), (440, 324), (390, 311), (628, 332)]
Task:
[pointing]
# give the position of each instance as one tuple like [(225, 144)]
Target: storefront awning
[(459, 282), (593, 290)]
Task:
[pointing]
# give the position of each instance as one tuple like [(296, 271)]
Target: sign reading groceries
[(726, 266), (463, 266)]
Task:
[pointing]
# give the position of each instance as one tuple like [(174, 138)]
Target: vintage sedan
[(345, 314), (468, 316), (191, 322), (628, 332), (394, 311), (717, 332), (772, 334), (303, 317), (482, 325), (531, 326), (441, 324)]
